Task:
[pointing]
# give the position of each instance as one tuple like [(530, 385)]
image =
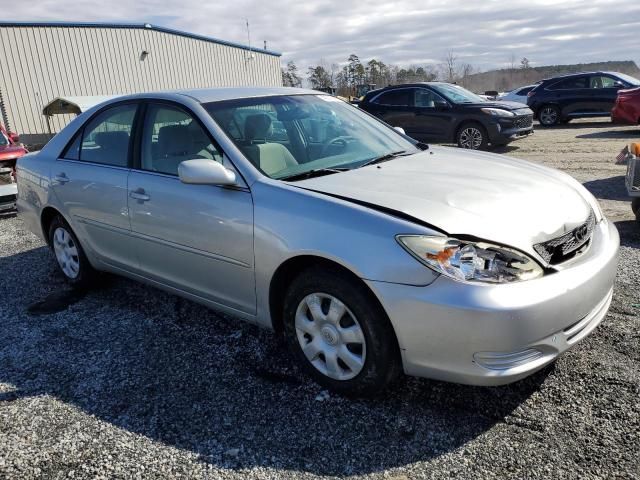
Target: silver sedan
[(371, 253)]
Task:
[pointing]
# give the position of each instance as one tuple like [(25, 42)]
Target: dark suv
[(592, 94), (444, 112)]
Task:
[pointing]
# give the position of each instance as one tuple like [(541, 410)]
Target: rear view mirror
[(205, 172)]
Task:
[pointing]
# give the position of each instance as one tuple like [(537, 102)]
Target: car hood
[(465, 193), (502, 104)]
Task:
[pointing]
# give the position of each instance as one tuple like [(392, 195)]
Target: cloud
[(403, 32)]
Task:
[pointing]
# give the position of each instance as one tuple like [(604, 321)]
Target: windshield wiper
[(385, 158), (316, 172)]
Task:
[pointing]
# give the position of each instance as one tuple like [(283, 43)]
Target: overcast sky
[(484, 33)]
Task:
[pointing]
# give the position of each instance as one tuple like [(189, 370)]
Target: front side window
[(291, 135), (106, 137), (426, 98), (601, 81), (170, 136), (395, 98)]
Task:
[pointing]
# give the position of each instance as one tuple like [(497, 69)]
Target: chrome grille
[(633, 174), (523, 122), (559, 249)]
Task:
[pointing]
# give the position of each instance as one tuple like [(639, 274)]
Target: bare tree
[(466, 70), (524, 63), (450, 66), (512, 65)]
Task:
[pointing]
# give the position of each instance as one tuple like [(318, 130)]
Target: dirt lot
[(127, 381)]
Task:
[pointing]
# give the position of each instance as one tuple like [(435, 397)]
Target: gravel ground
[(129, 382)]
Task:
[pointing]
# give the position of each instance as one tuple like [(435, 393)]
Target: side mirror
[(441, 105), (205, 172), (619, 84), (14, 137), (400, 129)]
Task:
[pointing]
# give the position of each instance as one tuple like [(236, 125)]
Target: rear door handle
[(61, 178), (139, 194)]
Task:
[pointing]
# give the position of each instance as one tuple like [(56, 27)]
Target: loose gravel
[(126, 381)]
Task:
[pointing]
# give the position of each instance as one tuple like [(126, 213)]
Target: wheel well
[(289, 270), (48, 214)]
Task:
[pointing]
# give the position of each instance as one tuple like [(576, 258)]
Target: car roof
[(206, 95), (579, 74), (406, 85)]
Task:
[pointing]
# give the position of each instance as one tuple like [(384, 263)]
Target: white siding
[(44, 62)]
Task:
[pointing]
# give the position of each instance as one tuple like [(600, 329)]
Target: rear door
[(196, 238), (395, 107), (90, 181)]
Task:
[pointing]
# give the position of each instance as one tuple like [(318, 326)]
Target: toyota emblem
[(581, 233)]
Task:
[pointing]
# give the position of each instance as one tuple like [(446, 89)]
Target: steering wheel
[(342, 141)]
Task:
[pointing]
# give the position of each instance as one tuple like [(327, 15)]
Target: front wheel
[(472, 136), (339, 334), (71, 259)]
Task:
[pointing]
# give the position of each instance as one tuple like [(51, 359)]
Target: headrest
[(112, 140), (174, 141), (257, 126)]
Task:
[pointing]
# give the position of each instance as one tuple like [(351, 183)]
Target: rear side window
[(105, 139), (397, 98), (524, 91), (570, 83)]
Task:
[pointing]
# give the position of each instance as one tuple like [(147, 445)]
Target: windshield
[(629, 79), (457, 94), (290, 135)]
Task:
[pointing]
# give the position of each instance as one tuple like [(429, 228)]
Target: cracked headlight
[(471, 261)]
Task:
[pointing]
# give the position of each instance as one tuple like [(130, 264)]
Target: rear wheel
[(549, 115), (472, 136), (71, 259), (339, 334)]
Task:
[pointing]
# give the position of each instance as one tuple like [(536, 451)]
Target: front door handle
[(139, 194), (61, 178)]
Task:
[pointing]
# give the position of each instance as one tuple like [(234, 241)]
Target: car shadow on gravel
[(611, 188), (613, 134), (629, 233), (168, 369)]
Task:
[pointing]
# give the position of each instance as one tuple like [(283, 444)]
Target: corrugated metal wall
[(44, 62)]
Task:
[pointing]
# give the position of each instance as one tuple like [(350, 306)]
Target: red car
[(627, 107), (10, 151)]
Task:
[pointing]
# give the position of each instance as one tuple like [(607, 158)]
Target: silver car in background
[(371, 253)]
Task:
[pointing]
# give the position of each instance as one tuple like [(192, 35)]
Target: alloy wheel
[(471, 137), (66, 252), (548, 116), (330, 336)]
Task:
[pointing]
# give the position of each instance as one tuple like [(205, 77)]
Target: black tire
[(635, 206), (473, 136), (381, 363), (86, 275), (549, 115)]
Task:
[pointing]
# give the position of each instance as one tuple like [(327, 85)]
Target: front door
[(90, 181), (603, 93), (196, 238), (432, 119)]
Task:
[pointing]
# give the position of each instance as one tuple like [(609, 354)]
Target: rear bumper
[(625, 114), (493, 335), (8, 197)]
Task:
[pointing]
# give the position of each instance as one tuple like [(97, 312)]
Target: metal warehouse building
[(44, 61)]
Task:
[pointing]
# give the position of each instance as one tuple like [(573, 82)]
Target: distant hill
[(506, 79)]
